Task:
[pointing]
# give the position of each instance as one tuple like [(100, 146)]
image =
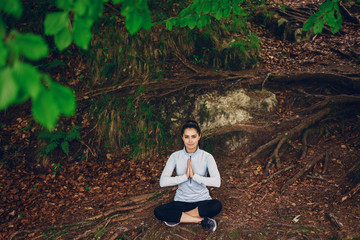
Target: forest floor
[(38, 205)]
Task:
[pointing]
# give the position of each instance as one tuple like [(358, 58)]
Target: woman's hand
[(189, 170)]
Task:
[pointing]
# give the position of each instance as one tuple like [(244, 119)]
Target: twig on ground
[(262, 198), (108, 221), (317, 178), (175, 234), (348, 14), (273, 175), (349, 194), (333, 219), (186, 64)]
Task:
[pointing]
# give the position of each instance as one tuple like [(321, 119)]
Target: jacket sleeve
[(166, 179), (214, 180)]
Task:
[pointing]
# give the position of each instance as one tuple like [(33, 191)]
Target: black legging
[(172, 211)]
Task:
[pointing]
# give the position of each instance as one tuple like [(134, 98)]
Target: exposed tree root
[(354, 171), (130, 210), (237, 128), (349, 83), (165, 88), (275, 156), (130, 204), (326, 163), (290, 134), (307, 167), (292, 144), (304, 144)]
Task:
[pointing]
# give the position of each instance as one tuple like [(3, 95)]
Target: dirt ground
[(38, 205)]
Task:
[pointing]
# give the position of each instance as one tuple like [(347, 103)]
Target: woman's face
[(191, 139)]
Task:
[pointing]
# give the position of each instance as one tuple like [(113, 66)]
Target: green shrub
[(58, 139)]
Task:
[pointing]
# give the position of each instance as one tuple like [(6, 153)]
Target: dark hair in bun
[(190, 124)]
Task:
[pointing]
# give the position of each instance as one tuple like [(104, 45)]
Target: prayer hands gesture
[(189, 170)]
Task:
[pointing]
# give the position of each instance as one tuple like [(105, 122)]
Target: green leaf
[(207, 8), (337, 26), (8, 88), (45, 109), (308, 25), (214, 6), (117, 1), (330, 19), (133, 21), (81, 32), (56, 137), (146, 23), (12, 7), (170, 23), (51, 147), (203, 21), (192, 22), (226, 10), (63, 39), (318, 26), (45, 135), (237, 9), (237, 1), (22, 96), (32, 46), (187, 11), (28, 77), (339, 20), (80, 7), (2, 28), (3, 54), (199, 7), (95, 9), (73, 134), (65, 4), (185, 21), (326, 6), (218, 14), (311, 21), (55, 22), (65, 147), (64, 99)]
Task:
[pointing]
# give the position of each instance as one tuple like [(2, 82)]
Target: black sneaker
[(171, 224), (209, 223)]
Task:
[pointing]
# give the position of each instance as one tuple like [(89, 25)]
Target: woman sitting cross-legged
[(192, 202)]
